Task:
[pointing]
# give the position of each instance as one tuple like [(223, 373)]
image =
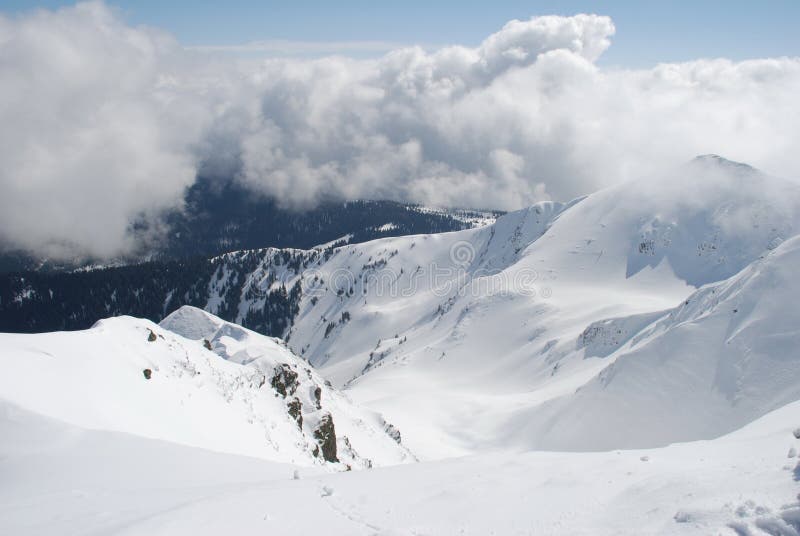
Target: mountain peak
[(717, 160)]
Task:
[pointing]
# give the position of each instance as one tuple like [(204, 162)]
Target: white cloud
[(102, 122), (93, 132)]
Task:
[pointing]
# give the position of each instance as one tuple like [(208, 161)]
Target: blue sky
[(647, 32)]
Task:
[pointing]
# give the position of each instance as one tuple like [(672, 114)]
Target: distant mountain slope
[(225, 388), (230, 218), (726, 355), (460, 337), (219, 218)]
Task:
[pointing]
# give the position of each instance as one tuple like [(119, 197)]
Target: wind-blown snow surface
[(60, 479), (225, 400)]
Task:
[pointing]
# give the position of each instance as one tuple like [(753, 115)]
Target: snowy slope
[(728, 354), (657, 315), (252, 397), (458, 336), (632, 248), (59, 479), (62, 479)]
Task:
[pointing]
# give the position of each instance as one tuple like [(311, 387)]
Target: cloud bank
[(103, 124)]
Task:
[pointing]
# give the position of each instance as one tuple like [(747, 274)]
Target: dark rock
[(207, 344), (329, 328), (318, 396), (284, 380), (147, 373), (392, 431), (295, 411), (152, 337), (325, 434)]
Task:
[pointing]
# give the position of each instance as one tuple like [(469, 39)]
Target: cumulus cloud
[(92, 130), (103, 124)]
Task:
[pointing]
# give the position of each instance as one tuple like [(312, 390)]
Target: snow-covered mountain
[(222, 388), (461, 337), (219, 216), (726, 355), (472, 339), (654, 315)]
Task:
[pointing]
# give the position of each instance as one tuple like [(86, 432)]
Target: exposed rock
[(318, 397), (284, 380), (393, 432), (325, 434), (207, 344), (295, 411), (152, 337), (147, 373)]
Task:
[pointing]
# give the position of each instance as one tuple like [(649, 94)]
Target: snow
[(625, 363), (501, 324), (60, 479), (495, 319), (726, 355), (214, 400), (344, 239), (471, 217)]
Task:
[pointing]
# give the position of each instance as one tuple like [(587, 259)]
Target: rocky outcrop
[(284, 380), (295, 411), (286, 396), (318, 397), (393, 432), (325, 434)]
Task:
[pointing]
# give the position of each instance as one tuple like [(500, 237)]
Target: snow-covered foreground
[(60, 479)]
